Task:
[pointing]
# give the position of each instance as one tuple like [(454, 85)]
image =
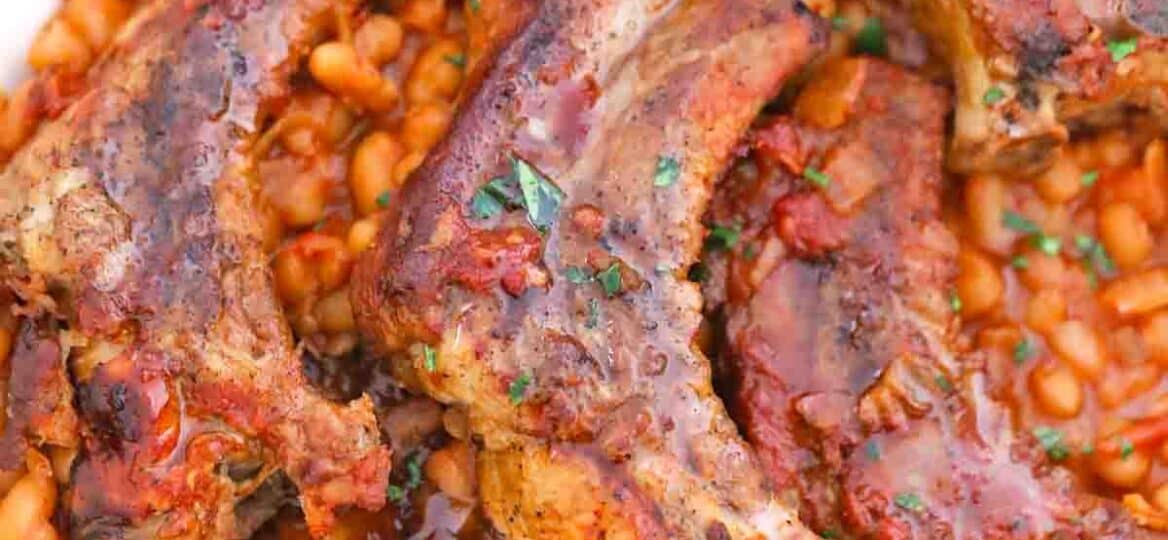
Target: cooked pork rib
[(131, 219), (845, 367), (1027, 70), (571, 349)]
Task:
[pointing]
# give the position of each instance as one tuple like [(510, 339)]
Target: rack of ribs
[(535, 277), (843, 362), (1029, 73), (129, 233)]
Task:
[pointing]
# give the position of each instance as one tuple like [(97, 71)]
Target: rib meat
[(845, 368), (129, 224), (1030, 71), (571, 349)]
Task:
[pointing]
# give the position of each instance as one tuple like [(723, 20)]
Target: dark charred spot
[(717, 531), (1027, 96), (1041, 49)]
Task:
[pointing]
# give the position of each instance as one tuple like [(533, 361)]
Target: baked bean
[(1125, 234), (451, 468), (328, 121), (1061, 182), (294, 276), (59, 45), (1043, 271), (1154, 332), (27, 510), (979, 285), (1125, 472), (334, 313), (985, 200), (272, 223), (361, 235), (1131, 185), (455, 422), (379, 39), (437, 73), (1058, 391), (301, 202), (1045, 309), (1078, 345), (1139, 293), (96, 20), (1121, 385), (329, 256), (425, 15), (425, 124), (407, 424), (337, 67), (1160, 497), (371, 176), (406, 166), (1114, 149)]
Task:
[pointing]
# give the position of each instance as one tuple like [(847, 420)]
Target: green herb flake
[(1126, 449), (993, 95), (1020, 223), (1020, 262), (1084, 244), (1087, 449), (540, 196), (475, 5), (698, 273), (943, 382), (871, 39), (955, 302), (429, 358), (816, 177), (1089, 178), (909, 501), (1122, 48), (872, 450), (828, 533), (1023, 351), (456, 60), (1052, 441), (839, 22), (593, 319), (414, 471), (610, 279), (395, 493), (1047, 244), (722, 238), (578, 274), (519, 387), (667, 172), (383, 200), (749, 252)]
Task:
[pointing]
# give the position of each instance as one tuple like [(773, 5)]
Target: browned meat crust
[(593, 408), (130, 218), (847, 374), (1027, 70)]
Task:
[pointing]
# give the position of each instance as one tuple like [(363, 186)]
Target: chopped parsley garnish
[(1094, 255), (610, 279), (541, 197), (578, 274), (1049, 245), (749, 252), (943, 383), (1023, 351), (993, 95), (1020, 223), (456, 60), (1020, 262), (816, 177), (955, 302), (519, 387), (1126, 449), (1089, 178), (429, 358), (667, 171), (593, 319), (722, 238), (828, 533), (474, 5), (870, 39), (839, 22), (395, 493), (1084, 243), (383, 199), (1052, 441), (909, 501), (872, 450), (1122, 48), (1087, 449), (414, 471)]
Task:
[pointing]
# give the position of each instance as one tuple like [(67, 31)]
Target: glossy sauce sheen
[(845, 367), (131, 219), (618, 430)]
